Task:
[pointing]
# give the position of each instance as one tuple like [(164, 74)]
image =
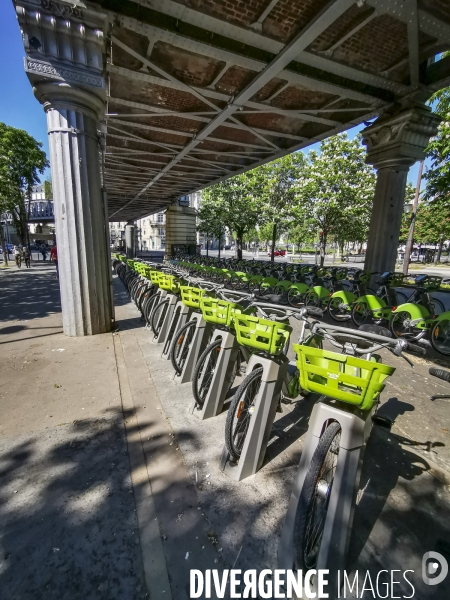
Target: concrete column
[(79, 205), (394, 143), (180, 229), (129, 240)]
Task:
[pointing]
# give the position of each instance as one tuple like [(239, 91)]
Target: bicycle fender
[(347, 297), (373, 302), (300, 287), (445, 316), (321, 291), (415, 311)]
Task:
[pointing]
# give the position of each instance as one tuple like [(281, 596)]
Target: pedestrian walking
[(54, 258), (18, 256), (44, 252), (27, 257)]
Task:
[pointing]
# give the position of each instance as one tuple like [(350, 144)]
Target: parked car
[(227, 247), (277, 253), (9, 247)]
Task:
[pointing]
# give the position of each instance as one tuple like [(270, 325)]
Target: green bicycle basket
[(261, 334), (219, 312), (191, 296), (346, 378), (168, 283)]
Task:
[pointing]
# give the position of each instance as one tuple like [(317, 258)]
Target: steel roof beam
[(261, 42), (321, 21)]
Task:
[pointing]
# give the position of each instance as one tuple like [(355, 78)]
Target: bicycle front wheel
[(338, 310), (361, 314), (204, 371), (181, 344), (401, 326), (158, 316), (440, 337), (240, 413), (314, 499)]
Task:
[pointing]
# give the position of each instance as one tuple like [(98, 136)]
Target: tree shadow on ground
[(28, 295)]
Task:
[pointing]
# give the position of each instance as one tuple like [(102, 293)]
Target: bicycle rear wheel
[(361, 314), (314, 499), (181, 344), (240, 413)]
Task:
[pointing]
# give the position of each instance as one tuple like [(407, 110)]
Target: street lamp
[(407, 208)]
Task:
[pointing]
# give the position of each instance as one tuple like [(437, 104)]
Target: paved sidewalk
[(68, 526)]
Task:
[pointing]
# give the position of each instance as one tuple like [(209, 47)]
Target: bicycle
[(371, 307), (319, 518), (267, 340), (421, 314)]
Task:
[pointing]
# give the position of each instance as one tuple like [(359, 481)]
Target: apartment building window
[(160, 217)]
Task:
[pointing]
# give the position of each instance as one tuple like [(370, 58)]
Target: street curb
[(153, 557)]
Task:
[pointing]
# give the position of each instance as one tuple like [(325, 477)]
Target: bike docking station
[(161, 295), (199, 342), (223, 372), (179, 317), (355, 429), (262, 417), (191, 298)]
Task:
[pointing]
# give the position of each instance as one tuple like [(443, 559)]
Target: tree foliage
[(335, 192), (279, 193), (438, 150), (21, 162), (235, 204)]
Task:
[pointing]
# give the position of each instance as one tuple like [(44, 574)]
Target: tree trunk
[(274, 237), (3, 245), (323, 246), (439, 252), (239, 246), (220, 237), (207, 246)]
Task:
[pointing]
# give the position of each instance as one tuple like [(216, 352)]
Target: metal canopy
[(201, 90)]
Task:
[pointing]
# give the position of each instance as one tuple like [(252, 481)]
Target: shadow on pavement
[(28, 294)]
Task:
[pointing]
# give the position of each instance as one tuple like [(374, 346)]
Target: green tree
[(48, 188), (335, 192), (211, 215), (278, 193), (21, 162), (438, 150), (236, 200)]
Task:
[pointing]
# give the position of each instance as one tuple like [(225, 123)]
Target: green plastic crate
[(346, 378), (191, 296), (261, 334)]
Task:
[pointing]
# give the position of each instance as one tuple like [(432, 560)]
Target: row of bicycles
[(410, 306), (219, 326)]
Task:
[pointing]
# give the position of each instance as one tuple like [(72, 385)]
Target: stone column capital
[(398, 141), (65, 50)]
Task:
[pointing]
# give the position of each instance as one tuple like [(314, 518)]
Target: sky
[(18, 106)]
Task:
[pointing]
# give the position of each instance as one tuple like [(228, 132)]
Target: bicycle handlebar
[(440, 374)]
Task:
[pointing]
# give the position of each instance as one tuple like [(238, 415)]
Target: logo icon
[(434, 568)]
